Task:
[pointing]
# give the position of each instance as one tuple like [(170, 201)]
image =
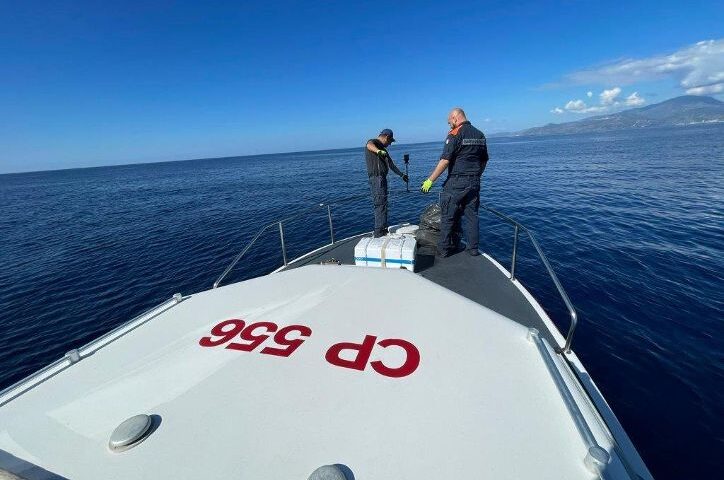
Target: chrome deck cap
[(596, 459), (328, 472), (130, 432)]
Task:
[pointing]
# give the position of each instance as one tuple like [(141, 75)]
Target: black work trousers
[(460, 198), (378, 186)]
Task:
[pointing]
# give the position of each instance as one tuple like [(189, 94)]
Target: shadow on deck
[(475, 278)]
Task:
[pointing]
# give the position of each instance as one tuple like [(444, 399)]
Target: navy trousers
[(378, 186), (460, 198)]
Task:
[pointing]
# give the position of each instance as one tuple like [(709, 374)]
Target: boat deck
[(476, 278), (365, 385)]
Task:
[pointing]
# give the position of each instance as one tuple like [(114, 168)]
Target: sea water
[(632, 222)]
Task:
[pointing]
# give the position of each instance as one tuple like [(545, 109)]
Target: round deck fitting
[(596, 459), (328, 472), (130, 433)]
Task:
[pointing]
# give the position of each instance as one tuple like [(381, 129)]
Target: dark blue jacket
[(466, 149)]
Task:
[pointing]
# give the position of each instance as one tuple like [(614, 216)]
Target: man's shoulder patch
[(447, 140)]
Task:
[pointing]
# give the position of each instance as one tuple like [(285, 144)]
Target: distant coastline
[(679, 112), (675, 112)]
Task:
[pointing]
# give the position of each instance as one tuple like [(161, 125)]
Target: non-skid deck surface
[(475, 278)]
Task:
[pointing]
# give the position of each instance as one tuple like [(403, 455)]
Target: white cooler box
[(391, 251)]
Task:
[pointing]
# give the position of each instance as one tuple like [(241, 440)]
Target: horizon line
[(490, 135), (113, 165)]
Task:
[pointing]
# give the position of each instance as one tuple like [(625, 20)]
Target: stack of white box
[(391, 251)]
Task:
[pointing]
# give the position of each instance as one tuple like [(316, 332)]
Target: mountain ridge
[(677, 111)]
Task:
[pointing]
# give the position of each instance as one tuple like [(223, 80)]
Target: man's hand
[(382, 154), (426, 186), (405, 178)]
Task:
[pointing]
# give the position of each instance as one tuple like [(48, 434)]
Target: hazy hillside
[(685, 110)]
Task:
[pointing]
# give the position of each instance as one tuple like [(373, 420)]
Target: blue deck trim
[(387, 260)]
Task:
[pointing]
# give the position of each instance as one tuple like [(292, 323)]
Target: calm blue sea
[(632, 222)]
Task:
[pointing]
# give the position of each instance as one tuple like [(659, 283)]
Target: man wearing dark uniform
[(464, 156), (378, 164)]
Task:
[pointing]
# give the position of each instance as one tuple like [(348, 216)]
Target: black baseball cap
[(389, 133)]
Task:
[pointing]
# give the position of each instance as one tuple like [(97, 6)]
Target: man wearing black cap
[(378, 164)]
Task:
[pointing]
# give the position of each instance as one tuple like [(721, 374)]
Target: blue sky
[(98, 83)]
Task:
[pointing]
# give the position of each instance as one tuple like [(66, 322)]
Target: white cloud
[(608, 97), (698, 68), (608, 100), (575, 105), (634, 100), (707, 90), (578, 106)]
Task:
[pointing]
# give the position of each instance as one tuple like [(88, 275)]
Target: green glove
[(382, 154), (426, 186)]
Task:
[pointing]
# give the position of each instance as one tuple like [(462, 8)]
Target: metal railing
[(280, 225), (517, 227), (77, 354), (596, 457)]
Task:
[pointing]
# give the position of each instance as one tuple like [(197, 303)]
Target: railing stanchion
[(331, 228), (281, 232), (281, 237), (406, 158), (515, 253), (566, 348)]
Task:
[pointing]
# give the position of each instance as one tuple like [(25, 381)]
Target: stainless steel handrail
[(517, 228), (280, 225), (596, 457), (571, 310), (77, 354)]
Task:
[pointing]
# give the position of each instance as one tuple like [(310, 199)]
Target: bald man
[(464, 157)]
